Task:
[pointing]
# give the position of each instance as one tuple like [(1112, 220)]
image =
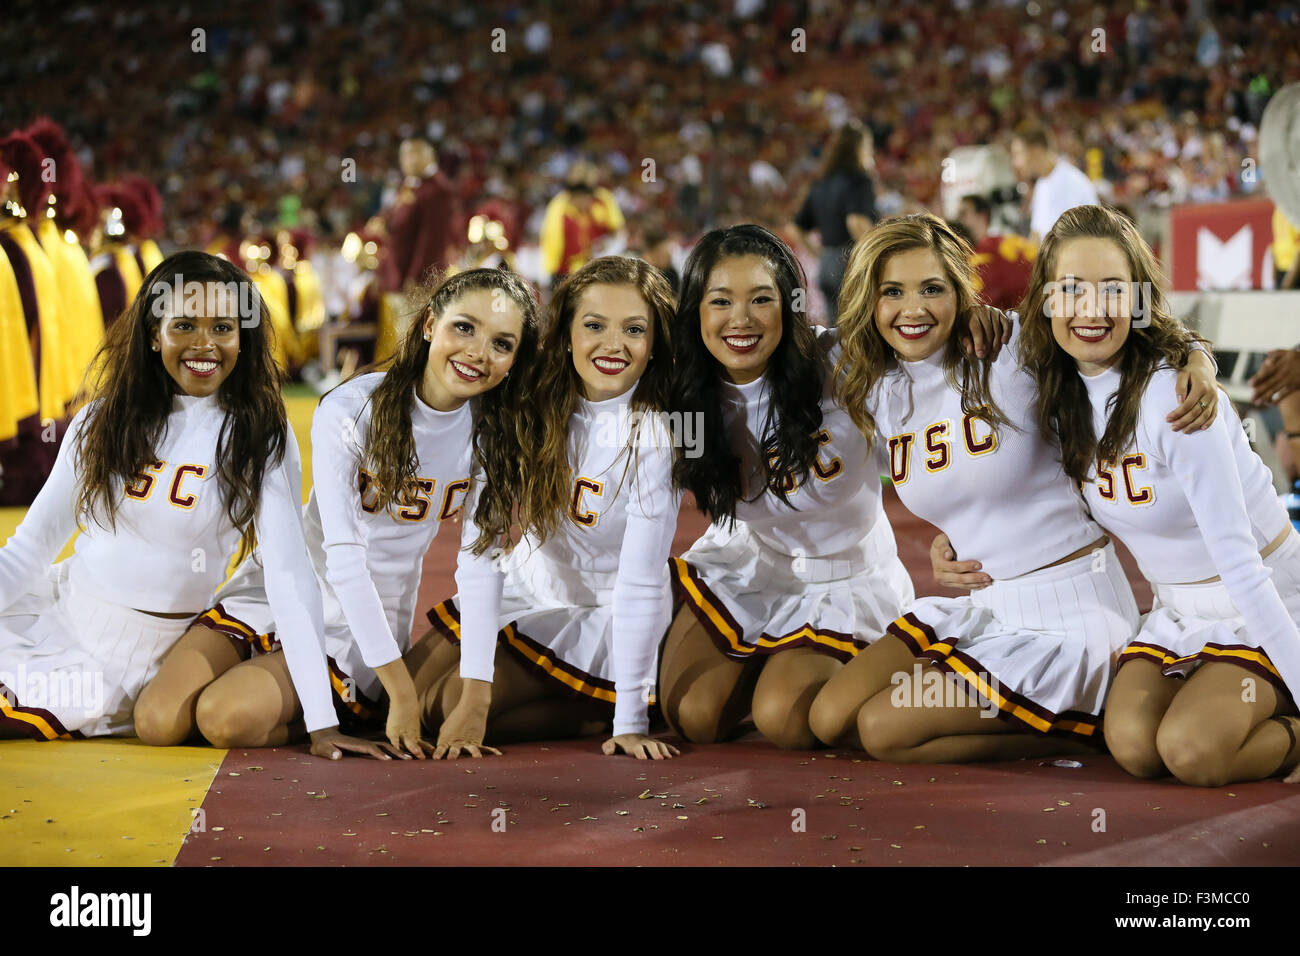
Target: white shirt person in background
[(1058, 185)]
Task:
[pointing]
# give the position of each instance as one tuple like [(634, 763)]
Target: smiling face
[(472, 347), (199, 351), (740, 316), (1091, 302), (917, 305), (611, 337)]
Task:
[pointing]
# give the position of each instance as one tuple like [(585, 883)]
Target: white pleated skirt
[(1192, 624), (72, 664), (753, 600), (557, 621), (1040, 648)]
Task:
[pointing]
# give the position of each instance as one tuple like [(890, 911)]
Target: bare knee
[(783, 722), (881, 729), (160, 722), (227, 720), (696, 718), (1192, 755), (1134, 748), (830, 720)]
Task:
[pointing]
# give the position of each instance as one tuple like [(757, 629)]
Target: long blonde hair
[(865, 356)]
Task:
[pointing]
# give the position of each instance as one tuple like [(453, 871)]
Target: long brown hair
[(389, 446), (554, 386), (1064, 409), (865, 356), (132, 399)]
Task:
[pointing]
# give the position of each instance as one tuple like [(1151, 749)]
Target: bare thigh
[(784, 694), (704, 693), (834, 714), (1218, 729), (1135, 706), (254, 704), (165, 710), (902, 726), (516, 687)]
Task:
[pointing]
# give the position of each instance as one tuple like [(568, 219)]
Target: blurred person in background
[(34, 308), (657, 249), (840, 207), (578, 218), (419, 224), (1058, 185), (69, 211), (1002, 262)]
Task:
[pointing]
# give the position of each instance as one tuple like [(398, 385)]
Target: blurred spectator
[(840, 207), (1058, 186), (1002, 263), (308, 99), (656, 249), (419, 223), (576, 219)]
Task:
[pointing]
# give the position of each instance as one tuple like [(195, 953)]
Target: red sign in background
[(1219, 245)]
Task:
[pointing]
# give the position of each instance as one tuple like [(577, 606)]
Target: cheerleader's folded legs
[(799, 569), (580, 605), (1035, 648), (1202, 690)]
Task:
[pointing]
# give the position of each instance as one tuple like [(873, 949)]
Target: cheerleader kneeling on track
[(392, 455), (1036, 648), (1199, 512), (183, 454), (581, 603), (774, 603)]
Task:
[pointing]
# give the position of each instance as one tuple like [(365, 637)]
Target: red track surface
[(564, 803)]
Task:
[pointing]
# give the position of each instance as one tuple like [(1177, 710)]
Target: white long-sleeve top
[(370, 561), (621, 519), (1003, 499), (837, 504), (1194, 505), (173, 541)]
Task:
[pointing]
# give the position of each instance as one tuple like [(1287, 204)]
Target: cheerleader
[(1199, 512), (184, 453), (799, 569), (391, 461), (581, 604), (1035, 648)]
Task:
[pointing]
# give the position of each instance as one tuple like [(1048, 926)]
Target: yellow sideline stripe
[(104, 802), (111, 801)]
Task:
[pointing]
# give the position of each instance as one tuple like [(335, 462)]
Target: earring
[(155, 348)]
